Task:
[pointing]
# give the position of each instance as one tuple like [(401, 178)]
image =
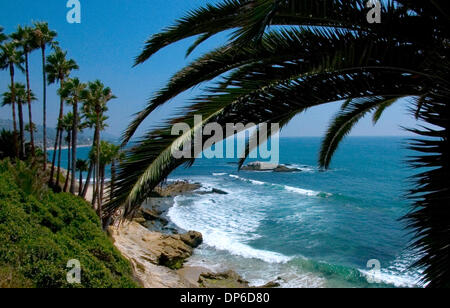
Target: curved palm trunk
[(74, 145), (13, 103), (91, 168), (88, 180), (69, 168), (21, 130), (44, 121), (30, 116), (58, 133)]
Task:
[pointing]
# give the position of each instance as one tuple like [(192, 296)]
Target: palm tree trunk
[(58, 172), (61, 115), (66, 184), (100, 197), (94, 187), (58, 131), (30, 117), (13, 103), (113, 179), (91, 167), (74, 145), (80, 183), (21, 130), (52, 172), (44, 121), (88, 180)]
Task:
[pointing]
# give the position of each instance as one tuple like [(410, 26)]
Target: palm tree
[(58, 69), (11, 58), (24, 37), (105, 155), (81, 166), (21, 97), (44, 37), (90, 121), (96, 100), (8, 100), (31, 127), (318, 52), (73, 92)]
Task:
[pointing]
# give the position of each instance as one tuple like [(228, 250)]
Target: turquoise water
[(312, 228)]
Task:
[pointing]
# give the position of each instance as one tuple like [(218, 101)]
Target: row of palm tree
[(88, 101), (15, 54)]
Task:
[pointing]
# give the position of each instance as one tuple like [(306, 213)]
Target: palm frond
[(149, 162), (382, 108), (210, 19), (431, 215), (299, 51), (345, 120)]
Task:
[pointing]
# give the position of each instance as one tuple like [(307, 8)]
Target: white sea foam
[(297, 190), (301, 191), (303, 168), (227, 228), (398, 273), (219, 174), (248, 180)]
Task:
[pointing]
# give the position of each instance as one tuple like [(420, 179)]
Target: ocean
[(309, 228)]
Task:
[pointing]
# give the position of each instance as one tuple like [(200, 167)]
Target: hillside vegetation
[(40, 231)]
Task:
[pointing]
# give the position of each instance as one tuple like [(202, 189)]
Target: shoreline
[(160, 254), (65, 147), (143, 246)]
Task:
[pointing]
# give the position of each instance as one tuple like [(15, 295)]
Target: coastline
[(146, 240), (65, 147)]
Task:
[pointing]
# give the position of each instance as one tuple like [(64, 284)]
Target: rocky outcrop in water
[(177, 188), (262, 166)]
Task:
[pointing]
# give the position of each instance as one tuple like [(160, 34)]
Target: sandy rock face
[(228, 279), (154, 255), (192, 238)]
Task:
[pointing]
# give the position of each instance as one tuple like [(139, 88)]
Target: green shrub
[(40, 231)]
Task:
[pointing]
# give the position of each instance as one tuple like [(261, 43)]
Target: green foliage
[(20, 95), (58, 67), (7, 144), (108, 153), (40, 231)]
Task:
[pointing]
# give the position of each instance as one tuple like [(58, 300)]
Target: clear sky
[(112, 33)]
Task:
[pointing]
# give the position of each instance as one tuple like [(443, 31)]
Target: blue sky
[(104, 45)]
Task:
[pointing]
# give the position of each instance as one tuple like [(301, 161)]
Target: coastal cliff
[(157, 253)]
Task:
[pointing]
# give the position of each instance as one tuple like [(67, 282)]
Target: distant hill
[(84, 138)]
